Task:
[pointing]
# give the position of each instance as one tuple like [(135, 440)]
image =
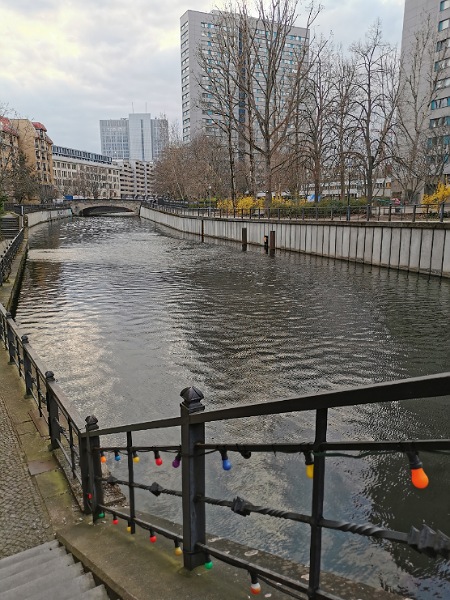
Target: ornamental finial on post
[(192, 399)]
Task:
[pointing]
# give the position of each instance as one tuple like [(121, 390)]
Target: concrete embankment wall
[(47, 215), (418, 247)]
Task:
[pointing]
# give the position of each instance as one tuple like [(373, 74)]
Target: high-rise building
[(425, 80), (197, 30), (114, 138), (138, 137)]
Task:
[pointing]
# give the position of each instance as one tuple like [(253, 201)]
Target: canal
[(127, 313)]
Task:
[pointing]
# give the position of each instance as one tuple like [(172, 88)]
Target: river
[(127, 314)]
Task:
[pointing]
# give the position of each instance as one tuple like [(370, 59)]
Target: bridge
[(92, 207)]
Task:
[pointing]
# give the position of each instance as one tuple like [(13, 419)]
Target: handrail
[(8, 257)]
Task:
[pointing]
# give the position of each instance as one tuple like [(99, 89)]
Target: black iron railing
[(84, 450), (8, 256), (392, 212)]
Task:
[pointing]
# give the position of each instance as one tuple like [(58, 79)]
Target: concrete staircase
[(46, 572), (9, 227)]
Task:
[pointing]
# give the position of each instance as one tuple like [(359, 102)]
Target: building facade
[(36, 145), (426, 65), (137, 137), (137, 179), (85, 174), (197, 32)]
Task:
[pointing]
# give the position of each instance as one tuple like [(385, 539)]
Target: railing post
[(441, 212), (390, 213), (317, 505), (348, 213), (414, 213), (193, 479), (91, 468), (52, 411), (27, 368), (10, 337)]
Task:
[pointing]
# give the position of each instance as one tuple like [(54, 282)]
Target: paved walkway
[(24, 521)]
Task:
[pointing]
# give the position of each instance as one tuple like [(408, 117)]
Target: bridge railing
[(86, 446), (439, 212)]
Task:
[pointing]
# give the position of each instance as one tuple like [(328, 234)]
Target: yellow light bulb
[(135, 459), (310, 471), (178, 551), (129, 529)]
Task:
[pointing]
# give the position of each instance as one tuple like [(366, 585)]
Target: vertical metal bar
[(132, 523), (390, 212), (317, 505), (84, 471), (441, 213), (10, 338), (72, 450), (19, 357), (53, 413), (348, 213), (27, 367), (414, 213), (193, 479)]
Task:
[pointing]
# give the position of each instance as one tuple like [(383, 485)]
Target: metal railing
[(392, 212), (65, 425), (81, 445), (8, 256)]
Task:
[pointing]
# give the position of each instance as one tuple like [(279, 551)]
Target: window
[(444, 4), (445, 24)]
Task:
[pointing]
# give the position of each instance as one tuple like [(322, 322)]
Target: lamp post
[(209, 197), (349, 167)]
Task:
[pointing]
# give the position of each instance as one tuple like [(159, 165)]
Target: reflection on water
[(127, 314)]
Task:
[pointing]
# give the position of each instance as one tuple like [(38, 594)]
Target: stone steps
[(45, 572)]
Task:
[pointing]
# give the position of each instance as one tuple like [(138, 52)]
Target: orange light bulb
[(419, 478)]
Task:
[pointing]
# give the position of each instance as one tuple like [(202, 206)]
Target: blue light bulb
[(226, 464)]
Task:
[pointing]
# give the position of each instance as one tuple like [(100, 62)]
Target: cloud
[(70, 63)]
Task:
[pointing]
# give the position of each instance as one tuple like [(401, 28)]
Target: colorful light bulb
[(115, 520), (226, 464), (89, 496), (101, 515), (102, 457), (418, 476), (135, 457), (209, 565), (158, 459), (255, 588), (178, 551), (309, 463), (129, 528), (153, 537), (176, 461), (116, 455)]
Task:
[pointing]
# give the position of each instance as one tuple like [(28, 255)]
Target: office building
[(137, 179), (85, 174), (138, 137), (197, 30)]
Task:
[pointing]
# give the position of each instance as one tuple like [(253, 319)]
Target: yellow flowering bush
[(442, 194)]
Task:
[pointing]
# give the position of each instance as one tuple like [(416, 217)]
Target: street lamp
[(209, 196)]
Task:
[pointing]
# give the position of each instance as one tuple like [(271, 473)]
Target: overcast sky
[(69, 64)]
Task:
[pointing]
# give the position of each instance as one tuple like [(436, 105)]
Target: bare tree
[(316, 112), (377, 92)]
